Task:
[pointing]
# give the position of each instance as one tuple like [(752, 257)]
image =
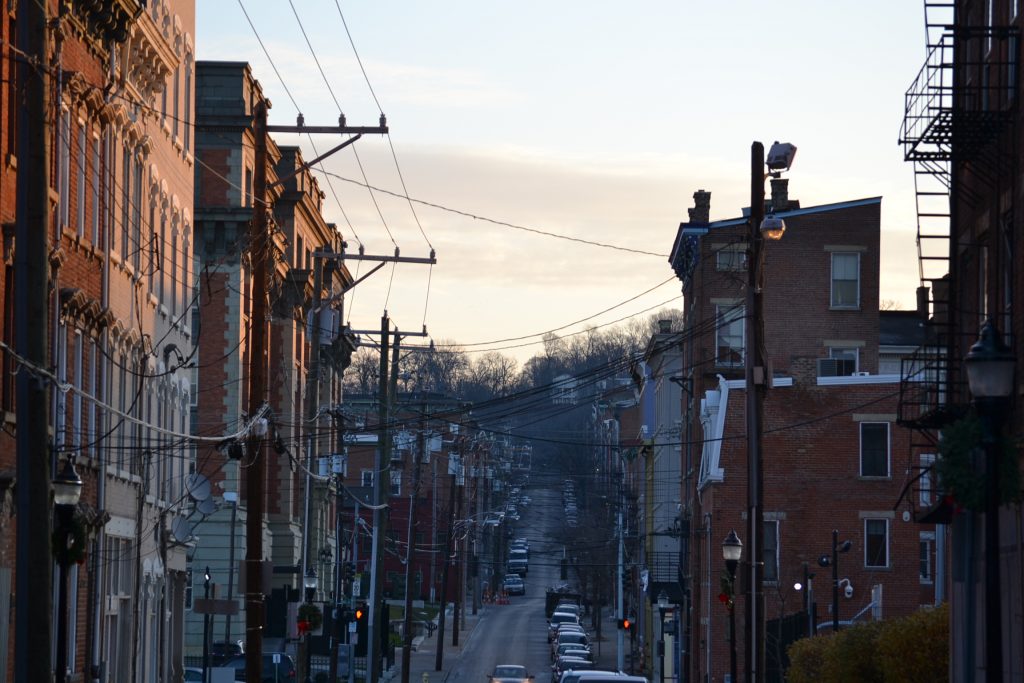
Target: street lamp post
[(732, 551), (825, 561), (309, 583), (206, 628), (67, 489), (780, 158), (662, 608), (990, 365)]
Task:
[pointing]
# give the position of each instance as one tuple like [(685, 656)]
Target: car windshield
[(509, 672)]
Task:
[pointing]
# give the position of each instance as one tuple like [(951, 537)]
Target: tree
[(361, 375)]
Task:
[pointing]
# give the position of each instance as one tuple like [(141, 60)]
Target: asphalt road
[(516, 633)]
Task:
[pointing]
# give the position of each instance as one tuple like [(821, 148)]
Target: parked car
[(572, 650), (572, 637), (510, 673), (565, 664), (278, 667), (560, 618), (518, 566), (573, 675), (223, 650), (514, 585), (193, 674)]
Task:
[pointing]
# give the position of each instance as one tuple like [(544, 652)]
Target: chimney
[(701, 211), (664, 327), (922, 302), (780, 194)]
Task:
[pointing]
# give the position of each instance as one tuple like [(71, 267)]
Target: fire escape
[(957, 115)]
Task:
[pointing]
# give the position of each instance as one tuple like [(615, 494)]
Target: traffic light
[(348, 571), (625, 624), (362, 630)]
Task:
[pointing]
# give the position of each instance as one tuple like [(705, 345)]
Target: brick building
[(962, 133), (833, 456), (309, 350), (119, 322)]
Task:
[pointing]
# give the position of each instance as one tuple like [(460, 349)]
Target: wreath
[(310, 617), (69, 543), (960, 465)]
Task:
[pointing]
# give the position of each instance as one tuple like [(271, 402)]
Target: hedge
[(912, 649)]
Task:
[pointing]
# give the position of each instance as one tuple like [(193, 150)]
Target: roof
[(901, 328)]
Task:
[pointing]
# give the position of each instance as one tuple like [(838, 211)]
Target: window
[(187, 129), (874, 449), (64, 169), (770, 550), (126, 202), (876, 543), (396, 482), (729, 335), (850, 358), (731, 259), (95, 192), (83, 157), (176, 94), (925, 482), (366, 478), (135, 245), (925, 545), (845, 280)]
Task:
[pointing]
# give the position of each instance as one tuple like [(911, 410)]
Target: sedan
[(510, 673), (514, 585)]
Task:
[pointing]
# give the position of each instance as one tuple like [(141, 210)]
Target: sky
[(588, 119)]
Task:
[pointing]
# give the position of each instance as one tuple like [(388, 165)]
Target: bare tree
[(361, 375)]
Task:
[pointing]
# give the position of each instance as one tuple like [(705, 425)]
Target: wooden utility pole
[(439, 655), (409, 550), (34, 562), (255, 473), (381, 471), (756, 381)]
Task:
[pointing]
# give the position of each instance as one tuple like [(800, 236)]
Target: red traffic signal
[(625, 624), (359, 614)]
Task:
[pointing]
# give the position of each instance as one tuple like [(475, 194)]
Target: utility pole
[(409, 554), (255, 473), (458, 576), (439, 655), (34, 562), (620, 638), (381, 469), (756, 384)]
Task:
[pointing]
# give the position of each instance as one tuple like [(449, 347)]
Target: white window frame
[(888, 450), (832, 299), (97, 156), (868, 521), (366, 478), (927, 480), (64, 168), (736, 261), (396, 482), (843, 352), (725, 315), (81, 175), (926, 545)]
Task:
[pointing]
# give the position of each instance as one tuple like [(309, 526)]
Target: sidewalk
[(424, 654)]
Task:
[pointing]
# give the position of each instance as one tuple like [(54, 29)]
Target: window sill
[(863, 477), (855, 307), (878, 569)]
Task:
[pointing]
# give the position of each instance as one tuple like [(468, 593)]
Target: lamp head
[(989, 365), (772, 227), (309, 581), (67, 485), (844, 547), (732, 547), (780, 156), (662, 600)]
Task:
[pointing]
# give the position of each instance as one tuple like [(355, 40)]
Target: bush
[(852, 657), (915, 649), (807, 660), (912, 649)]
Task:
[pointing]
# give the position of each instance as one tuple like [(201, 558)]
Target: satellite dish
[(180, 530), (206, 507), (198, 487)]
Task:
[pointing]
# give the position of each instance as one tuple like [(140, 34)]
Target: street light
[(206, 627), (67, 489), (756, 373), (732, 551), (990, 365), (825, 561), (662, 608), (309, 583)]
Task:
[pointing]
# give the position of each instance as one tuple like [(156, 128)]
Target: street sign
[(357, 586), (277, 657)]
